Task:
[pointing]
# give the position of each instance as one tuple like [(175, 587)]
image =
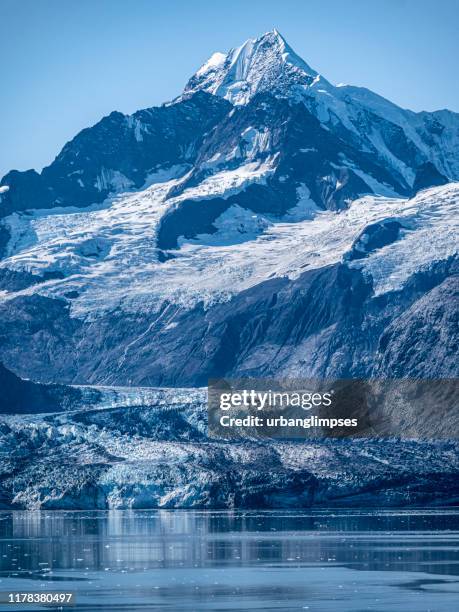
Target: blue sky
[(66, 63)]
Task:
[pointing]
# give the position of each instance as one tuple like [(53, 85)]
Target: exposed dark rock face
[(308, 153), (374, 237), (28, 325), (427, 175), (131, 147), (14, 280), (4, 239), (23, 396), (424, 339)]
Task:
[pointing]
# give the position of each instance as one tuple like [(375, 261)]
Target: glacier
[(144, 448)]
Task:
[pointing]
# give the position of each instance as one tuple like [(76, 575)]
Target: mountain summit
[(259, 104), (266, 63)]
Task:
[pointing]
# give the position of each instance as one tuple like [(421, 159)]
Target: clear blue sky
[(66, 63)]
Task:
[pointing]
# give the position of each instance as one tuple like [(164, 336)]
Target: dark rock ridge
[(424, 338), (307, 153), (374, 236), (20, 396), (132, 146), (427, 175)]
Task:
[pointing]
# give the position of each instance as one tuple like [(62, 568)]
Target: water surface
[(346, 561)]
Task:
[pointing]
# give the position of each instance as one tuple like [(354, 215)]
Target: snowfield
[(108, 255)]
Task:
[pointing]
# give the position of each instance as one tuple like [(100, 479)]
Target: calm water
[(346, 561)]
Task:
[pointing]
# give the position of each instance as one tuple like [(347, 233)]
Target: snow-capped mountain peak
[(267, 63), (267, 223)]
